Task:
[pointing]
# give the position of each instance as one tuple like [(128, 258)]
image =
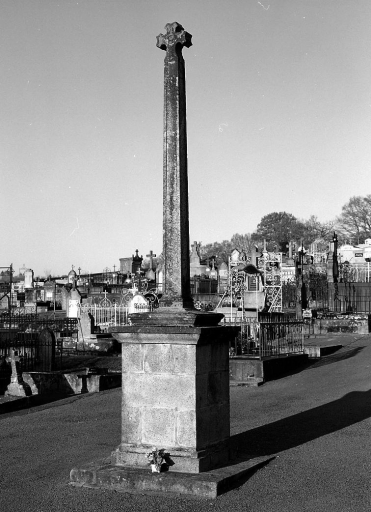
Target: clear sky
[(279, 119)]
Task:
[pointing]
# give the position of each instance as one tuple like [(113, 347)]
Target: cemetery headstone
[(74, 300), (15, 388), (46, 350), (87, 324)]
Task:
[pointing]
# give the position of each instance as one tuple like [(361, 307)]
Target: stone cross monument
[(177, 292), (175, 365)]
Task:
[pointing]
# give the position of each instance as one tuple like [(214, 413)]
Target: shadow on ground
[(340, 355), (25, 404), (303, 427)]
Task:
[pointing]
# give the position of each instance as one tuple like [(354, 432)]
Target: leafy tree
[(278, 228), (355, 219)]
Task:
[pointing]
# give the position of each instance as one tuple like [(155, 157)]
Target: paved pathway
[(317, 424)]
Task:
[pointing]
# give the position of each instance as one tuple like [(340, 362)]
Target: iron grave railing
[(280, 338), (267, 339)]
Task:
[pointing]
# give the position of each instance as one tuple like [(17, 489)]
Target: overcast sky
[(279, 118)]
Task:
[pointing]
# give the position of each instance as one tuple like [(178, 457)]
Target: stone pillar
[(177, 291), (175, 396)]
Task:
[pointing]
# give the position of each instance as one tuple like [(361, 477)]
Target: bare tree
[(355, 219), (314, 229)]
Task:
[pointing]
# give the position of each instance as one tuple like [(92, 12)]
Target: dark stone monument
[(136, 262)]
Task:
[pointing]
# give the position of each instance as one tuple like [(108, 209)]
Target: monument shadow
[(309, 364), (303, 427)]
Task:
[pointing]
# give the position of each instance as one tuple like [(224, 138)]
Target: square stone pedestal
[(175, 396)]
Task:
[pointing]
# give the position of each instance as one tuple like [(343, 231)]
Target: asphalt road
[(316, 423)]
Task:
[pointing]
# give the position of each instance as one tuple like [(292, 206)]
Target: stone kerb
[(175, 395)]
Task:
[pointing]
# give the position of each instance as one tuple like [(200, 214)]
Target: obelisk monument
[(177, 292)]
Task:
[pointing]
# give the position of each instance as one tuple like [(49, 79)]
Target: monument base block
[(133, 480), (180, 461)]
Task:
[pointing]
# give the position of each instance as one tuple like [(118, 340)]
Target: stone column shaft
[(175, 174)]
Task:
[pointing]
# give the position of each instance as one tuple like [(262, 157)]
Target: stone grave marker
[(15, 388), (46, 344)]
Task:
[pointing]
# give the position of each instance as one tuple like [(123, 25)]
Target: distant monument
[(196, 269), (28, 278)]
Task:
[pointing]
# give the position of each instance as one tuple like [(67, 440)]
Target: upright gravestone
[(46, 345), (87, 324), (73, 303)]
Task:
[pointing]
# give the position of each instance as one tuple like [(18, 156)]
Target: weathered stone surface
[(175, 395), (133, 360), (186, 429), (44, 383), (178, 335), (131, 426), (174, 317), (158, 390), (134, 480), (356, 324), (159, 426), (158, 359), (177, 291)]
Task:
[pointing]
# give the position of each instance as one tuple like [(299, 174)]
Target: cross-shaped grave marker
[(151, 255), (13, 358), (15, 388)]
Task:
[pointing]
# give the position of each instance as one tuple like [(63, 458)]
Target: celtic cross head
[(175, 35)]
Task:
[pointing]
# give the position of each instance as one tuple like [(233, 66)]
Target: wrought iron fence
[(36, 340), (107, 316), (266, 339), (247, 340), (350, 298), (34, 354), (280, 338), (32, 351)]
